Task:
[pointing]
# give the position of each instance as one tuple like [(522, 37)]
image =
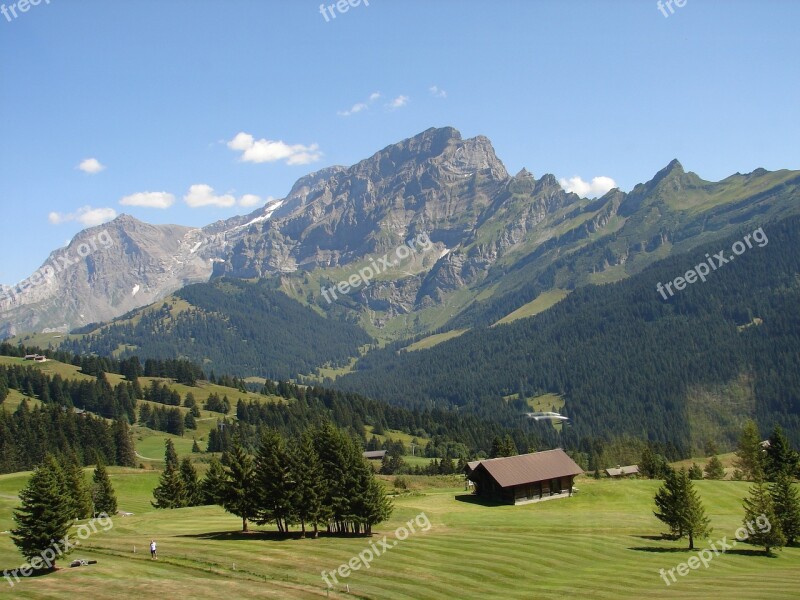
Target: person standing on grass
[(153, 553)]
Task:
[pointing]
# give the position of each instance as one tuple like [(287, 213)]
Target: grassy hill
[(602, 543)]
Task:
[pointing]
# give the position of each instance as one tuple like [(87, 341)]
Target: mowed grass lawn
[(602, 543)]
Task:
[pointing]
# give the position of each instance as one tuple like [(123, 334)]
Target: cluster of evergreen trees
[(318, 478), (162, 418), (55, 495), (178, 486), (28, 435), (217, 404), (182, 370), (95, 395)]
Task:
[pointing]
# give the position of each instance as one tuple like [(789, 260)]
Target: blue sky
[(157, 91)]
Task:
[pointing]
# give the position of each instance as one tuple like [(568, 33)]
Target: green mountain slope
[(230, 326), (628, 362)]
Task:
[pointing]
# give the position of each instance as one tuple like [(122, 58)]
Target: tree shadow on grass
[(39, 573), (684, 549), (658, 549), (273, 536), (752, 552), (480, 501)]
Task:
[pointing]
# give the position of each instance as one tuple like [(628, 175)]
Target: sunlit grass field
[(601, 543)]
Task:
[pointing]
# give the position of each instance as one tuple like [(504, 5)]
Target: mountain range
[(502, 245)]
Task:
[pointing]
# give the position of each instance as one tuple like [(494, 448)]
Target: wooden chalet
[(525, 478)]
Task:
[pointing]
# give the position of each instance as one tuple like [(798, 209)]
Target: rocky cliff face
[(104, 272)]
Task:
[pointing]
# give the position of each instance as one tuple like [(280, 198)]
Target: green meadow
[(601, 543)]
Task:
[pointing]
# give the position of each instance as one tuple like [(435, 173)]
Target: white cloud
[(437, 92), (398, 102), (91, 166), (242, 141), (597, 187), (356, 108), (85, 215), (203, 195), (250, 200), (360, 106), (149, 200), (263, 150)]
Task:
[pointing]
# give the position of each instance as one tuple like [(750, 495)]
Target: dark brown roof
[(529, 468)]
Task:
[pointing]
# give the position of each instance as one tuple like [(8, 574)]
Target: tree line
[(28, 435)]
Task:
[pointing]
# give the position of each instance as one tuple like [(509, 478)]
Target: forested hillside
[(27, 434), (624, 359), (234, 327)]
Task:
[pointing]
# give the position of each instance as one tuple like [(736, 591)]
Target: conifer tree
[(695, 472), (44, 515), (189, 421), (780, 457), (191, 484), (378, 506), (195, 446), (338, 466), (214, 484), (170, 456), (787, 507), (103, 496), (757, 507), (275, 482), (125, 452), (696, 523), (714, 469), (241, 493), (307, 473), (668, 502), (679, 507), (78, 492), (144, 414), (170, 492), (750, 455)]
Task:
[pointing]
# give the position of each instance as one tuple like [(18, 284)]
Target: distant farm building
[(375, 454), (525, 478), (36, 357), (617, 472)]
